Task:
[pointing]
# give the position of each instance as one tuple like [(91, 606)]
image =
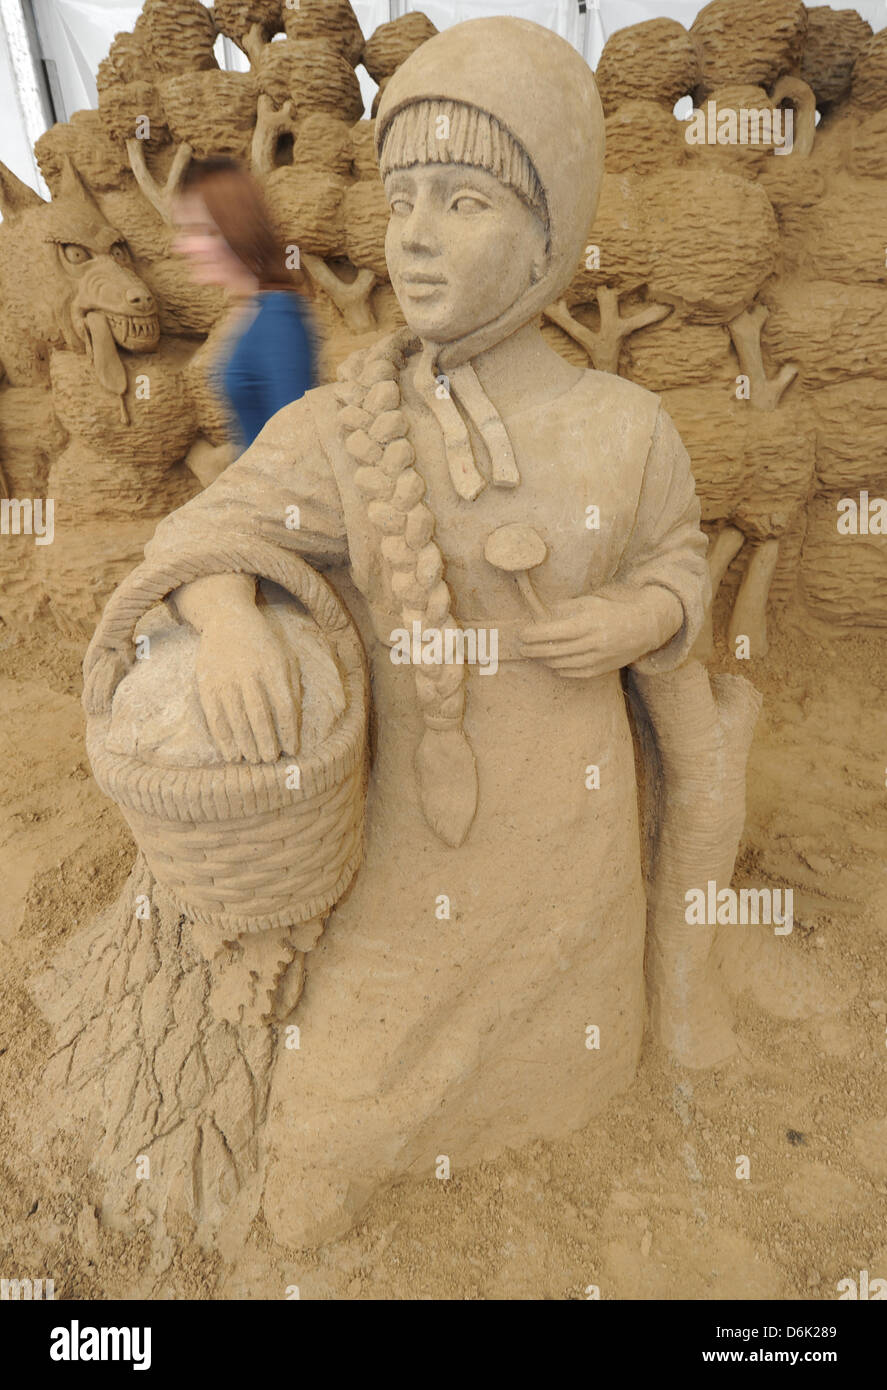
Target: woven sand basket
[(237, 847)]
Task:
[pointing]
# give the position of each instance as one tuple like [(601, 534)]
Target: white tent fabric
[(75, 36), (23, 115)]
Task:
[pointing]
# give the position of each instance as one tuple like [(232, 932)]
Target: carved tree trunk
[(157, 1076)]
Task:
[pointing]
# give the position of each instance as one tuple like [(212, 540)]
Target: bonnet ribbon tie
[(466, 479)]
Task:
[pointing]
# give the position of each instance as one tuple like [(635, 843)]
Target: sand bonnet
[(524, 106)]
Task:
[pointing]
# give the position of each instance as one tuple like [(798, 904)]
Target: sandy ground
[(645, 1203)]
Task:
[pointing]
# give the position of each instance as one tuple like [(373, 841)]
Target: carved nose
[(140, 299)]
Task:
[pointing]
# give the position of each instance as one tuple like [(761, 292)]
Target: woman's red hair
[(235, 202)]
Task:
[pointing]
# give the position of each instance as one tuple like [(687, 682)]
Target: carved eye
[(120, 252), (76, 255), (397, 203), (475, 204)]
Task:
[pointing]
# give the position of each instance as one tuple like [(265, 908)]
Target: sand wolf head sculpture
[(69, 281)]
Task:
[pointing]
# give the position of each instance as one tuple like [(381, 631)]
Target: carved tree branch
[(749, 617), (253, 43), (270, 125), (559, 313), (159, 198), (803, 103), (722, 550), (604, 345), (745, 330), (352, 301), (614, 328)]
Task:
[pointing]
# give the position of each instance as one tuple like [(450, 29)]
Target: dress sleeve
[(667, 546), (282, 489)]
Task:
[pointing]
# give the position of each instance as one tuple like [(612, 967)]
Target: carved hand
[(248, 683), (594, 634)]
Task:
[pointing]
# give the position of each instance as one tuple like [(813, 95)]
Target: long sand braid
[(376, 430)]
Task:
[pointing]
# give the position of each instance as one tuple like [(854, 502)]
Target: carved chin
[(135, 332)]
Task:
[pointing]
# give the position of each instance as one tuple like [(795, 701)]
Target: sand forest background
[(746, 287)]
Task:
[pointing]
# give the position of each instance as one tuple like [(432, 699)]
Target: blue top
[(273, 362)]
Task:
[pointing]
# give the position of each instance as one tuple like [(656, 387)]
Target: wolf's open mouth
[(134, 330)]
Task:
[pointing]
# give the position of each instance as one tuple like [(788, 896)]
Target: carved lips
[(419, 286)]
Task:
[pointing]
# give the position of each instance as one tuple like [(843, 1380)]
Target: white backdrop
[(75, 35)]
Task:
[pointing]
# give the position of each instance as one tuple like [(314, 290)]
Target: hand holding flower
[(597, 633)]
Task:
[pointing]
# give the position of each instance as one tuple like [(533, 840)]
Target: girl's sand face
[(460, 247)]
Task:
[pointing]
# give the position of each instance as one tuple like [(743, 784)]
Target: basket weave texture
[(237, 847)]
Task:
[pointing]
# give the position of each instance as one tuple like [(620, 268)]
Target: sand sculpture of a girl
[(482, 982)]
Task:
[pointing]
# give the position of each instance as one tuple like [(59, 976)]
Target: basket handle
[(153, 580)]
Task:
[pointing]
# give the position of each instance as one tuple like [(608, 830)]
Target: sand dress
[(452, 1001)]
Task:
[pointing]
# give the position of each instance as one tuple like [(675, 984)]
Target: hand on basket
[(249, 687)]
